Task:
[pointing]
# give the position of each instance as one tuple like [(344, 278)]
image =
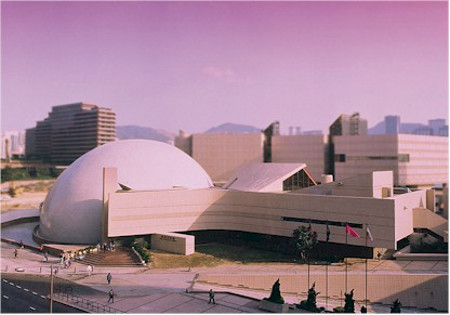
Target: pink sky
[(193, 65)]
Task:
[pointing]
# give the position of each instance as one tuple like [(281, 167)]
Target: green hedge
[(141, 250), (23, 173)]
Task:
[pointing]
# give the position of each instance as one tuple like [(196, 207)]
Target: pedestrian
[(90, 269), (109, 278), (379, 256), (16, 252), (21, 244), (111, 296), (211, 297), (104, 247), (46, 256)]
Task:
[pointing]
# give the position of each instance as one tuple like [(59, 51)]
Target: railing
[(64, 293)]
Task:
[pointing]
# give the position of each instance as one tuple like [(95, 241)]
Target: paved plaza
[(147, 290)]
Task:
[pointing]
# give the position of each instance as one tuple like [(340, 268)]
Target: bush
[(141, 251)]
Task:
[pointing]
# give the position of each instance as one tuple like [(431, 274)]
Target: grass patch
[(211, 255), (243, 254)]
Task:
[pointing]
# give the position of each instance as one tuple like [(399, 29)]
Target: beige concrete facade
[(414, 159), (222, 154), (174, 243), (176, 210), (375, 185), (309, 149), (417, 290)]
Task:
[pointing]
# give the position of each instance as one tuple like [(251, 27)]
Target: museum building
[(143, 187)]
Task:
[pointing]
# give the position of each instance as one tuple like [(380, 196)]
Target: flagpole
[(367, 232), (346, 257), (326, 266), (326, 280), (308, 271)]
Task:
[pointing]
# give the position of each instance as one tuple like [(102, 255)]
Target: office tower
[(435, 125), (349, 125), (416, 160), (392, 125), (69, 131), (272, 130), (15, 143)]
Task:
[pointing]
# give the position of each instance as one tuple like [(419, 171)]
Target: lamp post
[(51, 288)]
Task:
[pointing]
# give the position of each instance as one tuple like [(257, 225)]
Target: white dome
[(72, 210)]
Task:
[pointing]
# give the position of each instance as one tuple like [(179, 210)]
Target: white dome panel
[(71, 213)]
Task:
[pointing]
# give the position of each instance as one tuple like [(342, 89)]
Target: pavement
[(147, 290)]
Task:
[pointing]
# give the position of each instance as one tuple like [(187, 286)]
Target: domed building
[(142, 187), (72, 211)]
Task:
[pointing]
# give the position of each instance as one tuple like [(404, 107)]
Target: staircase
[(120, 257)]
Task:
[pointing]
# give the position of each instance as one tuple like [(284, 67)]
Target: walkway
[(144, 290)]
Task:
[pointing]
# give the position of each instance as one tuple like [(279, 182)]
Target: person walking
[(111, 296), (211, 297), (109, 278), (16, 252), (46, 256)]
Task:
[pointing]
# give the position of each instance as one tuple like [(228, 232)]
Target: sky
[(194, 65)]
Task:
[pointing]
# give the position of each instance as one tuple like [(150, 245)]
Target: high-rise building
[(12, 142), (392, 125), (69, 131), (346, 125), (436, 124)]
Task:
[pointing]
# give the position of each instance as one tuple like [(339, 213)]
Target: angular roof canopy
[(262, 176)]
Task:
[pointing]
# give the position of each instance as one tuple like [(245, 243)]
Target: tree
[(304, 241)]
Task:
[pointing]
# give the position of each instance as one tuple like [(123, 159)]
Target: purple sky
[(193, 65)]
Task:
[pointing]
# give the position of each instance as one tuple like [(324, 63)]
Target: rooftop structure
[(69, 131)]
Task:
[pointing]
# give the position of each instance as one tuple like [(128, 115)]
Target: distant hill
[(380, 128), (233, 128), (138, 132)]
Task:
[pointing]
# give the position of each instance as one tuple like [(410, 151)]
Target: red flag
[(350, 231)]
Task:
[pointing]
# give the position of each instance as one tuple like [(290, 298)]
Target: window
[(339, 157)]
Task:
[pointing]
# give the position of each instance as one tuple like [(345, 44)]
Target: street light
[(51, 288)]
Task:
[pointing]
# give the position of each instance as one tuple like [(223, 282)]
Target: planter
[(273, 307)]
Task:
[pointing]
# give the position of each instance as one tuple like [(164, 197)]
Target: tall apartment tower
[(392, 125), (69, 131)]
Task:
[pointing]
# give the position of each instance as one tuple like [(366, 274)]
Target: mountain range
[(138, 132)]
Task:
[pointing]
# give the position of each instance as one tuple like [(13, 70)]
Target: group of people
[(106, 246), (65, 260)]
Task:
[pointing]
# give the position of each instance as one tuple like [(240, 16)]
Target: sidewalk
[(145, 290)]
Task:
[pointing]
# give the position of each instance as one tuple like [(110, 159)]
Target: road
[(29, 295)]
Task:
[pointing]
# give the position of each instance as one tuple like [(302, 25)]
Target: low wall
[(413, 290), (174, 243)]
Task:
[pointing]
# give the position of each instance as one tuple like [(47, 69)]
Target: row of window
[(344, 158), (323, 222)]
